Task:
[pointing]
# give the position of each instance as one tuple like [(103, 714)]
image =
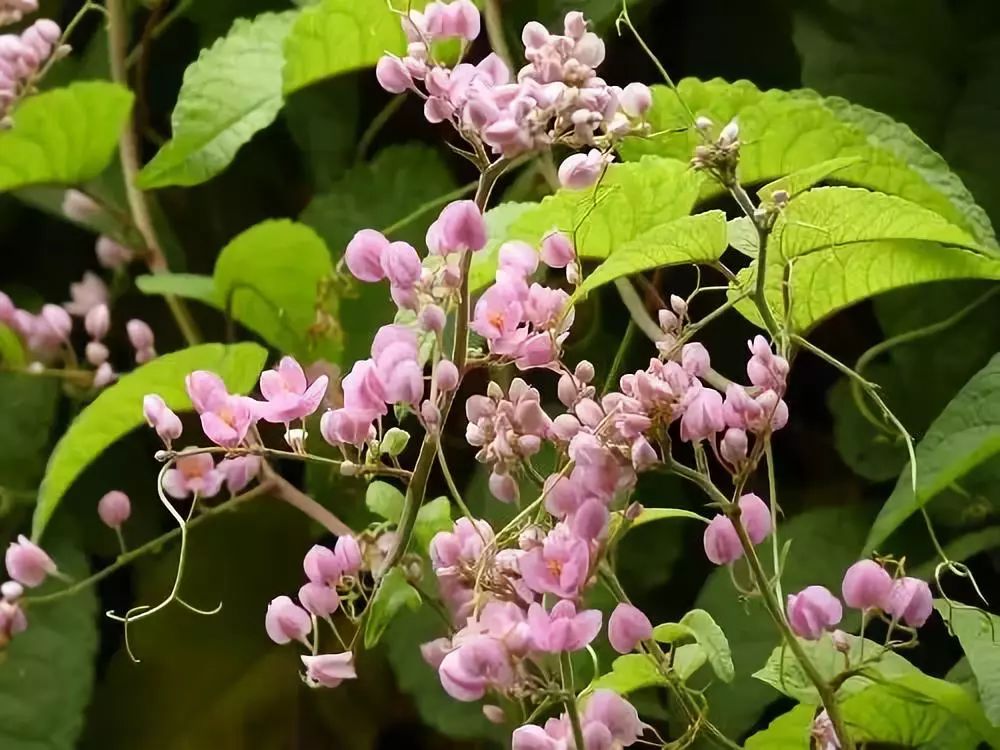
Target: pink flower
[(765, 368), (812, 611), (703, 416), (733, 446), (321, 565), (329, 670), (627, 626), (695, 359), (460, 227), (910, 601), (111, 254), (562, 629), (286, 621), (195, 474), (636, 99), (288, 396), (824, 733), (401, 264), (722, 543), (239, 472), (12, 620), (87, 294), (471, 669), (27, 563), (363, 255), (609, 709), (348, 426), (517, 257), (392, 74), (557, 250), (464, 544), (97, 321), (114, 509), (456, 19), (532, 737), (867, 585), (160, 417), (347, 551), (225, 418), (560, 566), (579, 171), (140, 335), (446, 376), (755, 517), (319, 599)]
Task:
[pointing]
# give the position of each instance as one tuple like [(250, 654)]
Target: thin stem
[(772, 487), (637, 309), (619, 360), (375, 126), (158, 30), (452, 488), (259, 450), (429, 206), (121, 540), (494, 30), (565, 672), (285, 490), (129, 152)]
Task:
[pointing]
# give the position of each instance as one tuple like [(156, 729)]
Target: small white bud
[(348, 468)]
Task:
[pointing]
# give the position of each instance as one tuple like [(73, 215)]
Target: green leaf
[(271, 278), (118, 410), (46, 673), (784, 673), (648, 515), (979, 634), (30, 405), (630, 673), (712, 640), (783, 132), (742, 235), (691, 239), (631, 199), (188, 285), (336, 36), (395, 184), (12, 351), (65, 136), (840, 245), (229, 93), (688, 659), (671, 632), (965, 434), (384, 500), (789, 731), (815, 557), (805, 178), (433, 516), (392, 595), (499, 221)]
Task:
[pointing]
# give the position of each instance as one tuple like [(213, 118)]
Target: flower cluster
[(28, 565), (867, 586), (332, 575), (22, 56), (556, 98), (607, 721)]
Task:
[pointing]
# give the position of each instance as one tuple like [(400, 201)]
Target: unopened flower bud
[(348, 468), (97, 321), (668, 321), (27, 563), (840, 641), (104, 375), (161, 418), (446, 376), (573, 274), (11, 591), (494, 391), (79, 206), (627, 626), (812, 611), (285, 621), (733, 447), (140, 335), (636, 99), (679, 305), (96, 353), (111, 254), (704, 124), (432, 318), (430, 413), (557, 250), (504, 488), (319, 599), (780, 198), (584, 371), (494, 714), (633, 511), (755, 517), (730, 134), (722, 543), (114, 509)]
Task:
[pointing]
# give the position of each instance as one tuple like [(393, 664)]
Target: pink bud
[(401, 264), (11, 591), (812, 611), (503, 487), (755, 517), (579, 171), (457, 19), (910, 601), (734, 446), (460, 227), (285, 621), (703, 416), (160, 417), (557, 250), (97, 321), (319, 599), (446, 376), (518, 257), (12, 620), (79, 206), (392, 74), (96, 353), (329, 670), (722, 543), (433, 652), (636, 100), (322, 566), (364, 255), (695, 359), (867, 585), (140, 335), (239, 472), (111, 254), (627, 626), (348, 554), (58, 320), (534, 35), (104, 375), (114, 509), (575, 24), (432, 318), (27, 563)]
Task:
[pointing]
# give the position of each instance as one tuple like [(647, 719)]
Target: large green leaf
[(965, 434), (783, 132), (188, 285), (699, 626), (392, 596), (377, 195), (979, 634), (691, 239), (46, 672), (789, 731), (835, 246), (815, 557), (65, 136), (118, 410), (335, 36), (229, 93), (271, 279)]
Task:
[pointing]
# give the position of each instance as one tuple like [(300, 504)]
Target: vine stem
[(259, 450), (128, 149), (149, 547), (417, 488), (826, 693), (289, 493), (566, 672)]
